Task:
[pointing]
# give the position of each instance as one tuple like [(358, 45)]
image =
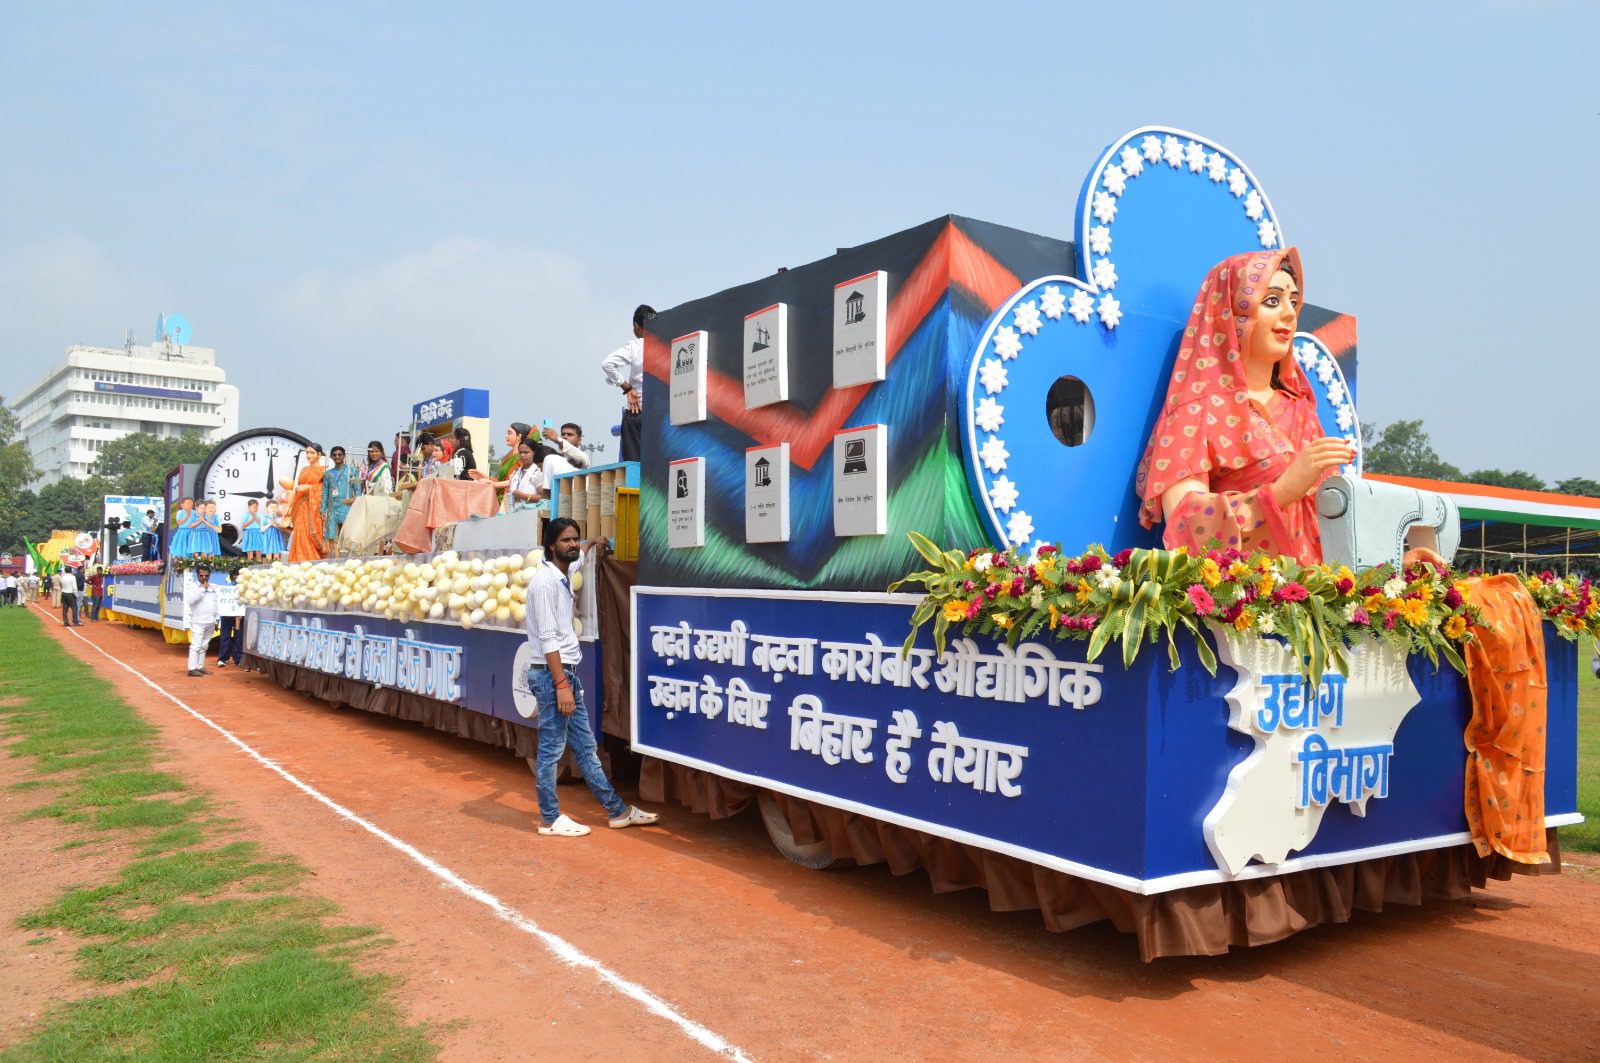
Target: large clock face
[(246, 468)]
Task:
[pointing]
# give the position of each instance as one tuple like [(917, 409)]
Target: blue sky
[(364, 205)]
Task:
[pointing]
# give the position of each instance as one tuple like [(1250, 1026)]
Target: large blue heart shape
[(1157, 210)]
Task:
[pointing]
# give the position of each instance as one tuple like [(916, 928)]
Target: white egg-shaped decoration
[(502, 615), (519, 613), (476, 616), (436, 610), (513, 560), (576, 580)]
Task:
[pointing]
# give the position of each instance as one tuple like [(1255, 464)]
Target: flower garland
[(1139, 596), (134, 568), (213, 562)]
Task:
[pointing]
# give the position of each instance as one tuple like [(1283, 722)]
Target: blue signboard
[(1097, 770), (463, 402), (135, 595), (484, 670), (148, 392)]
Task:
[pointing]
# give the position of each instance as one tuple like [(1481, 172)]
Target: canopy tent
[(1508, 528)]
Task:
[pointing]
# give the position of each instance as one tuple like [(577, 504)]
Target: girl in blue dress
[(194, 541), (207, 539), (253, 542), (178, 529), (273, 543)]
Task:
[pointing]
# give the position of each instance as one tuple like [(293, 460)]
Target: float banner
[(1097, 770), (463, 402), (130, 510), (135, 595), (481, 670)]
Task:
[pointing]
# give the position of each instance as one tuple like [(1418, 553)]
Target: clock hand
[(271, 483)]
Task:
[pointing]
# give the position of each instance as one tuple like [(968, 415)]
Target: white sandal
[(634, 817), (564, 828)]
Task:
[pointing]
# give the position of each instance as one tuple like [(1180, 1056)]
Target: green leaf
[(1454, 658), (926, 548), (1099, 637)]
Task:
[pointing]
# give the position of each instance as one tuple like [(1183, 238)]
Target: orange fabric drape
[(1505, 738), (305, 509)]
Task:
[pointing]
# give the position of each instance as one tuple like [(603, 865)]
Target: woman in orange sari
[(305, 508), (1237, 453)]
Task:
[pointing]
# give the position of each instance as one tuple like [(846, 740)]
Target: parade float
[(1208, 747)]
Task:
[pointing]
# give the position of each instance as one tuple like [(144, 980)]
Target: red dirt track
[(789, 964)]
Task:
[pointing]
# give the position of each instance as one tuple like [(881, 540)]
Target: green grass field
[(1585, 837), (200, 943)]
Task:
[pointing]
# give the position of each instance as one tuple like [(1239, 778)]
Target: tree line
[(1402, 448), (136, 464)]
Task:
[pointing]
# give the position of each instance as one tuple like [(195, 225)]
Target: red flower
[(1046, 551), (1345, 586), (1016, 587), (974, 607), (1390, 618), (991, 591), (1090, 563), (1202, 601), (1123, 557), (1074, 568), (1452, 598), (968, 586)]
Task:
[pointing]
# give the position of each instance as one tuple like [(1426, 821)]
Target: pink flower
[(1091, 563), (1123, 557), (1547, 576), (1016, 587), (1074, 568), (1360, 617), (1291, 592), (991, 591), (999, 559), (974, 607), (1046, 551), (1389, 618), (968, 585), (1202, 601)]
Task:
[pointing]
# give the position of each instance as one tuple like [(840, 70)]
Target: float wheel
[(817, 856)]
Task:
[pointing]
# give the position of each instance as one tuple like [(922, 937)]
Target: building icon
[(855, 309), (763, 473)]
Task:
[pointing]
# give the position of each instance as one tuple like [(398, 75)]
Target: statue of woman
[(1237, 453), (305, 508)]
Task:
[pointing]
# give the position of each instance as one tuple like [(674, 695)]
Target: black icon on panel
[(683, 483), (763, 473), (855, 456), (854, 308)]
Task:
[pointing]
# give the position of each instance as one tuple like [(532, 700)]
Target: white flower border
[(1003, 341)]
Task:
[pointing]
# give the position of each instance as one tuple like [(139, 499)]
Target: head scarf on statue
[(1229, 449)]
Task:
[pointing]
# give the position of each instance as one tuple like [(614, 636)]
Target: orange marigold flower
[(955, 611), (1243, 621), (1455, 627), (1210, 574), (1415, 611)]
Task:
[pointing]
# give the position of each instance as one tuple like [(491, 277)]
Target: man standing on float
[(624, 368)]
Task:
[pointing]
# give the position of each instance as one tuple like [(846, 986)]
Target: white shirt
[(625, 365), (575, 455), (549, 620), (555, 465), (69, 582), (201, 600), (523, 481)]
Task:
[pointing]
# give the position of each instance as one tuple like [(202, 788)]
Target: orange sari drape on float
[(305, 510), (1210, 430), (1506, 736)]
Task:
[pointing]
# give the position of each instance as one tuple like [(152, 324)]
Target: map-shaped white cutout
[(1312, 748)]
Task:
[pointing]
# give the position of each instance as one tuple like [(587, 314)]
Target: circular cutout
[(1070, 409)]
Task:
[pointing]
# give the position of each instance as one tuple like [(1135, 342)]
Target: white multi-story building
[(97, 394)]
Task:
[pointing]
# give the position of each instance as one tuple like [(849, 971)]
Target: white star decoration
[(990, 415), (1115, 180), (1006, 344), (994, 454), (1019, 528), (1052, 302), (1105, 274), (1003, 494), (1307, 354), (1195, 155), (1110, 311), (1336, 393), (1027, 318), (1100, 240), (1345, 417), (1325, 369), (1082, 306), (1172, 152), (1151, 146), (1216, 166), (1252, 206), (1132, 165), (993, 376), (1238, 184), (1105, 208), (1268, 233)]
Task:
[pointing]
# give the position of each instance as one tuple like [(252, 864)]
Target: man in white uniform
[(624, 368), (200, 601)]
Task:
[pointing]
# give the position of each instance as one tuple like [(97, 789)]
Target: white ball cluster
[(447, 588)]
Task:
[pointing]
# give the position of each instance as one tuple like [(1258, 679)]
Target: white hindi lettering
[(896, 756), (874, 663), (1017, 675), (777, 654), (832, 736), (985, 765)]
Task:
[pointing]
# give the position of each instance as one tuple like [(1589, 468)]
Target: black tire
[(817, 856)]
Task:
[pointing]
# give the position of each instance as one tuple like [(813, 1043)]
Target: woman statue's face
[(312, 455), (511, 437), (1269, 337)]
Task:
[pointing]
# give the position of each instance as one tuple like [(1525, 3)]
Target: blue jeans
[(555, 733)]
